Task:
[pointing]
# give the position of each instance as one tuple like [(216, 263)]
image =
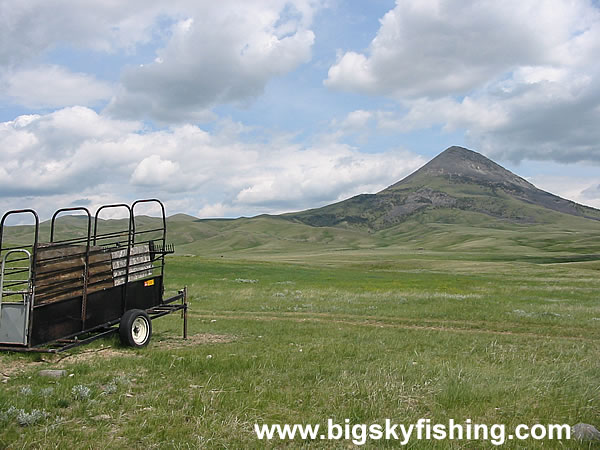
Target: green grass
[(487, 311), (299, 337)]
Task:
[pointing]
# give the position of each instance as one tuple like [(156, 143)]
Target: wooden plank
[(51, 297), (55, 295), (59, 263), (61, 268), (50, 252), (100, 265), (100, 285), (51, 281)]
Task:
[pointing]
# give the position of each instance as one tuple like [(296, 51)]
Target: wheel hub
[(139, 330)]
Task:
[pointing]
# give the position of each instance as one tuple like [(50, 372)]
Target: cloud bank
[(75, 153), (221, 52), (520, 77)]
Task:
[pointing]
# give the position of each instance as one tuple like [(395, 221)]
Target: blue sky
[(233, 108)]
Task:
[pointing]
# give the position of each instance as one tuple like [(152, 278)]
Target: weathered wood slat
[(60, 269), (60, 272), (55, 264), (58, 283), (50, 251)]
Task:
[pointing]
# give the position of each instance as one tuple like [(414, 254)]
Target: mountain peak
[(460, 152), (460, 164), (463, 158)]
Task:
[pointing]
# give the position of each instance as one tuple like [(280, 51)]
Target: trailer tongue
[(63, 293)]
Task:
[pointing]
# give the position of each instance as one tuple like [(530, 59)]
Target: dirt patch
[(91, 355), (196, 339), (10, 367), (13, 366)]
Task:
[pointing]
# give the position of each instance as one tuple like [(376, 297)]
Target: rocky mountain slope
[(456, 179)]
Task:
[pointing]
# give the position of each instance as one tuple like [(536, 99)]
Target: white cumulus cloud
[(441, 47), (202, 53), (75, 153), (521, 78), (53, 86), (35, 26), (218, 53), (154, 170)]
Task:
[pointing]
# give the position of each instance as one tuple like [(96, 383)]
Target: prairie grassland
[(362, 336)]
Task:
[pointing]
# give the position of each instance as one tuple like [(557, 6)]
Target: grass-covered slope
[(439, 232), (458, 179), (362, 339)]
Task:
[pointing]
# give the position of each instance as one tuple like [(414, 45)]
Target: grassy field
[(360, 334)]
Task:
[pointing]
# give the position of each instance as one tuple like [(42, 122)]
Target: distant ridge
[(457, 179)]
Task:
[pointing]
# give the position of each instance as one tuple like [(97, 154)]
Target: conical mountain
[(457, 179), (460, 164)]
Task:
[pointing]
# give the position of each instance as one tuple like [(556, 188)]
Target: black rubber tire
[(135, 329)]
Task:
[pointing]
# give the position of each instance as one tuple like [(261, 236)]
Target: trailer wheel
[(135, 328)]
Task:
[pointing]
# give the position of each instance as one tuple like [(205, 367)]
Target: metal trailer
[(57, 295)]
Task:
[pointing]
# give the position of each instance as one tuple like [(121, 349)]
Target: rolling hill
[(460, 205)]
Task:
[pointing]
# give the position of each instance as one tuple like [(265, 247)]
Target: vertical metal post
[(185, 308)]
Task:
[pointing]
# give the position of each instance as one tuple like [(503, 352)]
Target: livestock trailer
[(65, 292)]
